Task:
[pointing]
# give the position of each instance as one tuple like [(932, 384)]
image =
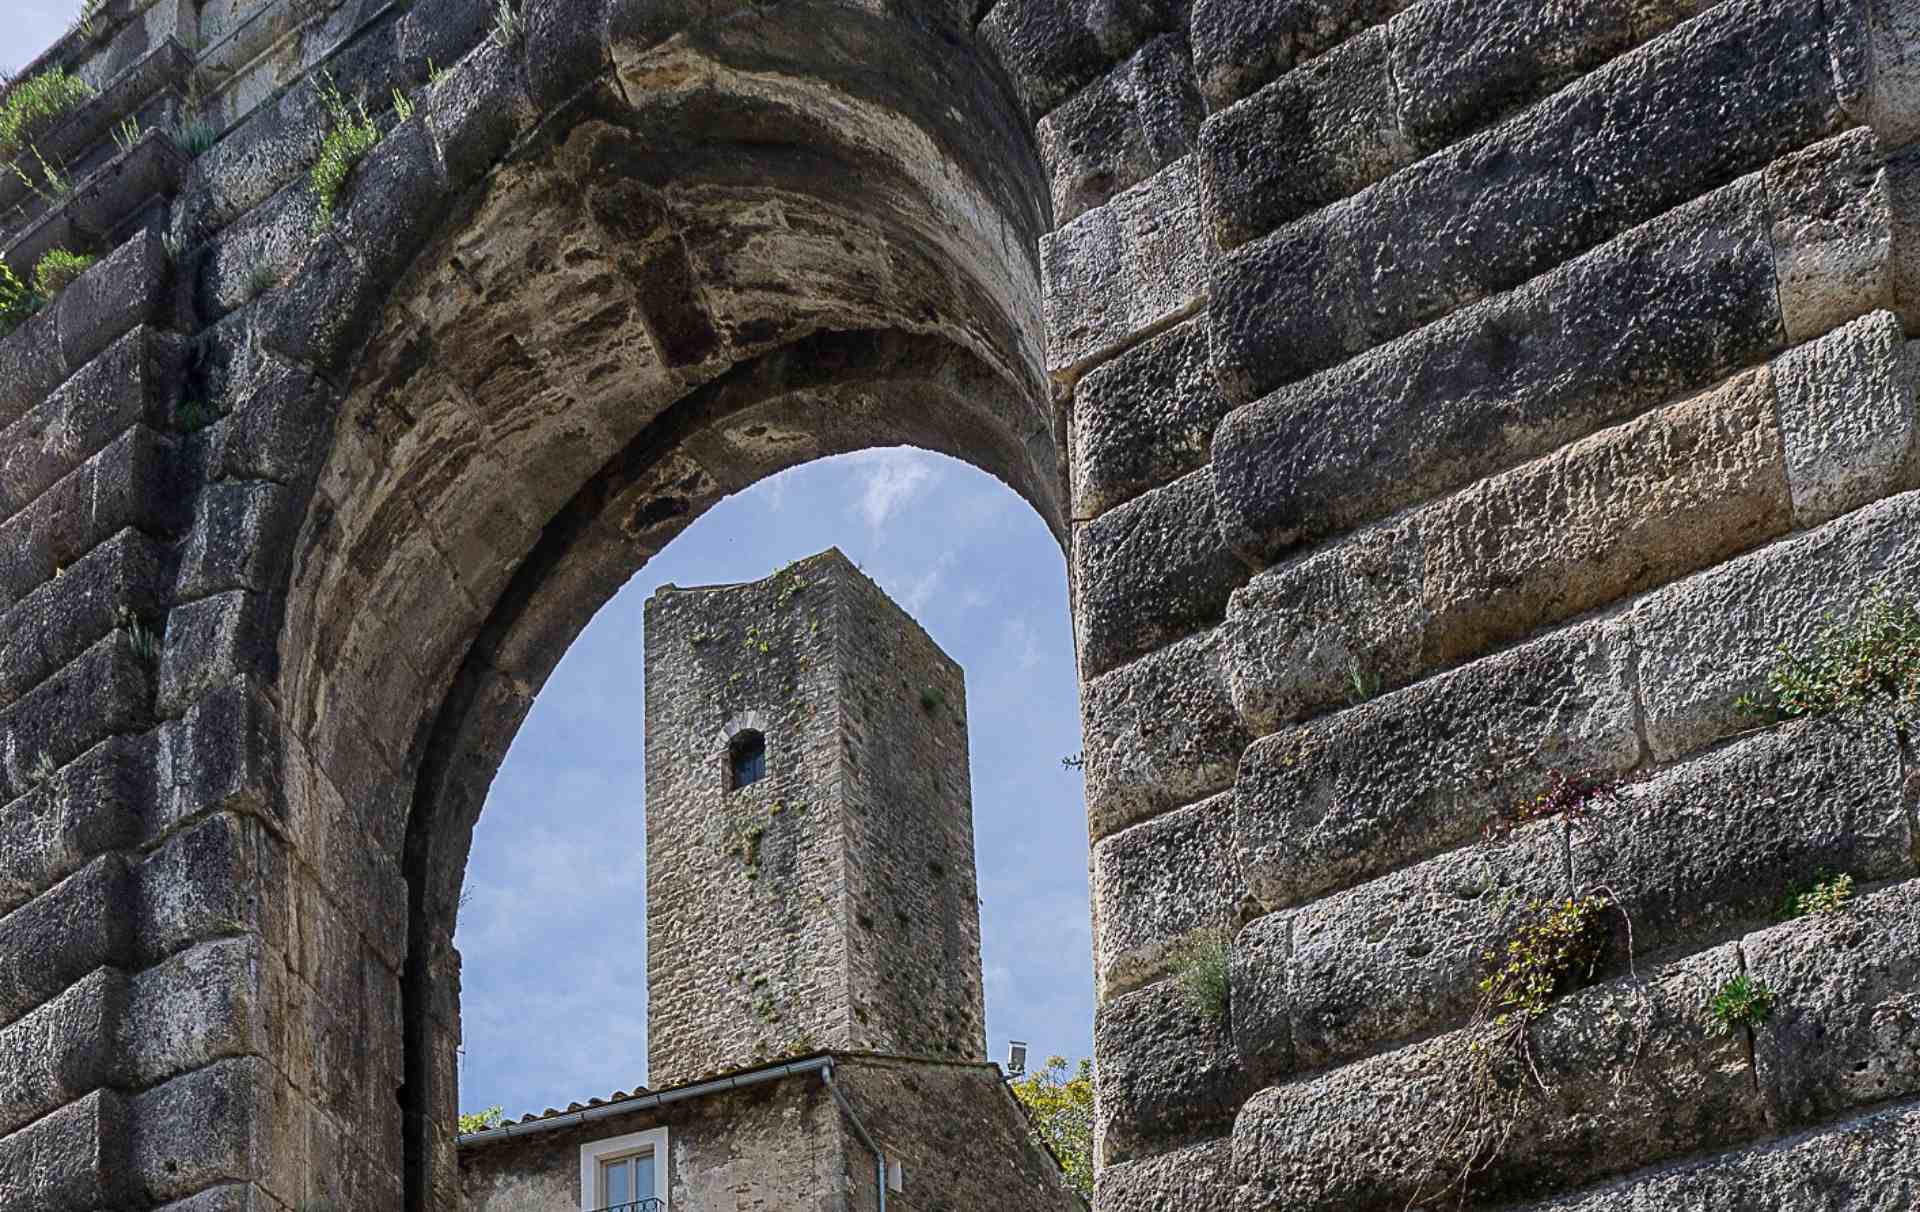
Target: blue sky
[(554, 1013)]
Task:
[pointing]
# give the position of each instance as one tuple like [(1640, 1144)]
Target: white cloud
[(891, 480)]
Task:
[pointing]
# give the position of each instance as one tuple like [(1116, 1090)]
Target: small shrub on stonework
[(1866, 670), (1741, 1002), (1826, 894), (35, 104), (1203, 964), (18, 302), (1568, 796), (1545, 959), (57, 271), (351, 134)]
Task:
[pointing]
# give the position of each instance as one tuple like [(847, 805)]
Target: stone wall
[(1541, 367), (832, 904)]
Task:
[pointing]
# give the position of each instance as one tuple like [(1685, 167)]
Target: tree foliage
[(480, 1121), (1059, 1104)]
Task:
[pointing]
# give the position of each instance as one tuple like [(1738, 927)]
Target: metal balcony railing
[(638, 1205)]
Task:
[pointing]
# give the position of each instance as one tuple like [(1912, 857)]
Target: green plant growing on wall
[(1058, 1100), (932, 699), (126, 133), (1570, 797), (1741, 1002), (1865, 670), (351, 134), (1202, 964), (57, 270), (1362, 684), (194, 137), (54, 182), (18, 302), (1825, 895), (35, 104), (1559, 952), (480, 1121), (506, 24)]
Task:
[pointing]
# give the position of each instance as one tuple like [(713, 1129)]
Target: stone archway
[(759, 241)]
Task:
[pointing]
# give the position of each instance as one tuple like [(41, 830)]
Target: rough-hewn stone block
[(202, 1005), (1864, 1165), (31, 365), (1238, 45), (219, 754), (1168, 1071), (1833, 233), (1314, 136), (1122, 128), (1182, 1179), (1721, 96), (1845, 1027), (1122, 270), (1631, 1073), (82, 923), (214, 641), (1397, 779), (1705, 641), (118, 581), (127, 288), (1160, 732), (1403, 955), (221, 876), (1143, 419), (1847, 411), (93, 805), (1149, 572), (62, 1051), (107, 690), (1706, 847), (75, 1158), (1668, 308), (1053, 47), (214, 1125), (1162, 881)]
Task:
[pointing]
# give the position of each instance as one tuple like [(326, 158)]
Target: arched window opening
[(746, 760)]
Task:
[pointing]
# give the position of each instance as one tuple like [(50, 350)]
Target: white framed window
[(627, 1173)]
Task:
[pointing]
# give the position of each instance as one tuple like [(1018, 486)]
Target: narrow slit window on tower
[(747, 759)]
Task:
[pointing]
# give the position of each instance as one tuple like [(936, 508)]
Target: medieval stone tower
[(810, 869)]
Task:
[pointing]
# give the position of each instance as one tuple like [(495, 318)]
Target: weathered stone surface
[(1398, 779), (1314, 136), (1124, 269), (127, 288), (1160, 732), (1238, 45), (82, 923), (1845, 1028), (31, 365), (1166, 879), (1122, 128), (1705, 641), (1168, 1072), (1847, 412), (1403, 955), (197, 1007), (1053, 47), (107, 690), (1150, 572), (62, 1051), (1862, 1165), (1833, 233), (1624, 510), (1631, 1075), (1193, 1177), (113, 585), (1260, 976), (1719, 97), (91, 806), (73, 1158), (1667, 308), (1143, 419), (206, 1126), (1704, 847)]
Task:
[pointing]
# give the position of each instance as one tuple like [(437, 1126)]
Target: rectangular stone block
[(1845, 1027), (1053, 47), (243, 536), (1168, 1073), (1121, 271), (93, 805), (1143, 419), (1194, 1177), (106, 691), (126, 289), (1159, 882), (1666, 309), (218, 755), (120, 581), (73, 1158), (230, 1120), (202, 1005), (82, 923), (1833, 233), (222, 876), (1847, 410), (1403, 956), (1318, 134), (1239, 45), (1863, 1165), (1160, 732), (31, 365), (1631, 1075), (1260, 977), (1721, 96), (1150, 572), (1719, 842), (1624, 510), (1705, 641), (228, 637), (1398, 779), (62, 1051), (1122, 128)]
